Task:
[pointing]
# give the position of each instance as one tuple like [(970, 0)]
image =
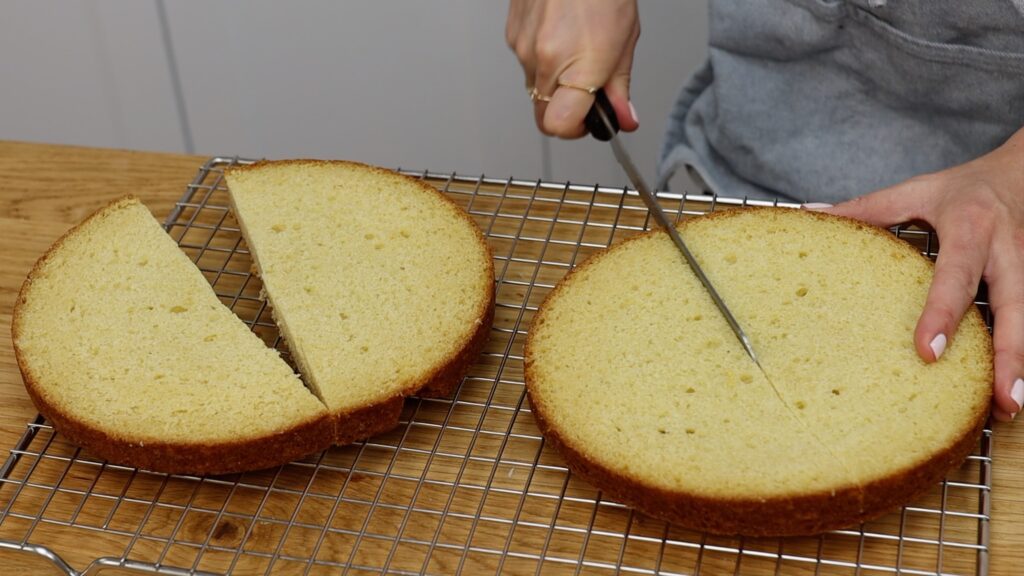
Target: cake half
[(634, 375), (125, 348), (382, 287)]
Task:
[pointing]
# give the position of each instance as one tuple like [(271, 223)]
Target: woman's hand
[(977, 210), (582, 43)]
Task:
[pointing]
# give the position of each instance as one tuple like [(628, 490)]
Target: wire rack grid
[(464, 484)]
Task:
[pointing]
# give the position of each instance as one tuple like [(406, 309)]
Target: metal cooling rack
[(464, 484)]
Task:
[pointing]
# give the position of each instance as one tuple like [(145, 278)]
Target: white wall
[(92, 73), (412, 84)]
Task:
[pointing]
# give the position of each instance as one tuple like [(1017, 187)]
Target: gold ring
[(537, 96), (587, 89)]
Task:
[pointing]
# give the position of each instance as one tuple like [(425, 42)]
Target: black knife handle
[(596, 125)]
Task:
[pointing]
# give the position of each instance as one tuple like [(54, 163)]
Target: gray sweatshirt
[(823, 100)]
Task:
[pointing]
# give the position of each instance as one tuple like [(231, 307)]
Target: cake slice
[(125, 348), (381, 286), (634, 375)]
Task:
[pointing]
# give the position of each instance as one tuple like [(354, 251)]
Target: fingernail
[(1017, 393), (938, 345), (816, 206), (632, 111)]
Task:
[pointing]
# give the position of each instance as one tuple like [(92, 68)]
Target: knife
[(604, 125)]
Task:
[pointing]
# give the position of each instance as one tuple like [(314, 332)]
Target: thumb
[(886, 207)]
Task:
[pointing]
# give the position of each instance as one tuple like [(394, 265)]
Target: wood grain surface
[(46, 189)]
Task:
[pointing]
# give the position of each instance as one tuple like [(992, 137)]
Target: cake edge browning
[(448, 376), (886, 494), (792, 516), (384, 415), (189, 458), (368, 420), (160, 456), (799, 515)]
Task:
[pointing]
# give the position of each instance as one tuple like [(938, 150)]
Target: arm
[(977, 210)]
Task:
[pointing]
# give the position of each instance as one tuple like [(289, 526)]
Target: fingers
[(568, 48), (965, 238), (976, 209), (521, 35), (887, 207), (563, 116), (958, 270), (512, 22), (1001, 415), (571, 101), (1006, 293)]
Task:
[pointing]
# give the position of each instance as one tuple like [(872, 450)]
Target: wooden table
[(45, 189)]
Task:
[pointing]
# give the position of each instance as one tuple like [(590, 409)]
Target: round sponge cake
[(127, 350), (635, 377)]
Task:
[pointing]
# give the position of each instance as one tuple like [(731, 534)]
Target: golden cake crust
[(180, 457), (798, 515)]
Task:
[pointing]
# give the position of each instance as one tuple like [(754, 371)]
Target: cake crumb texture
[(635, 376), (125, 347), (381, 286)]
